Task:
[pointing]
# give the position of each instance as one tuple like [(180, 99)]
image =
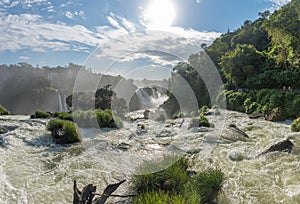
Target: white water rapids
[(34, 170)]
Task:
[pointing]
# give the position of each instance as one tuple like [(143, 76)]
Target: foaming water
[(34, 170)]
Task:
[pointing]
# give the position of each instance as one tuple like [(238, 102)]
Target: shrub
[(40, 114), (174, 186), (179, 115), (208, 184), (295, 127), (171, 179), (203, 121), (65, 116), (203, 110), (3, 111), (71, 132), (164, 198), (92, 118)]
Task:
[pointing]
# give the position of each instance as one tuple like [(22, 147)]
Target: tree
[(241, 64)]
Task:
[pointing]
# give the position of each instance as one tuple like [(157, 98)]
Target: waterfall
[(62, 106), (150, 97)]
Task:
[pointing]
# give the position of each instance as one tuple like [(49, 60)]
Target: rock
[(3, 130), (123, 146), (237, 130), (146, 114), (284, 146), (276, 115), (256, 115)]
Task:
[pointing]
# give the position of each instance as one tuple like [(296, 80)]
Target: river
[(35, 170)]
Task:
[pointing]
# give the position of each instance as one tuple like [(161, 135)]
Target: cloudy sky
[(52, 33)]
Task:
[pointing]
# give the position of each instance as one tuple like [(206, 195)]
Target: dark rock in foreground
[(284, 146)]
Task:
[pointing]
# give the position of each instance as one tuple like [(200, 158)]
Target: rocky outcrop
[(276, 115), (284, 146)]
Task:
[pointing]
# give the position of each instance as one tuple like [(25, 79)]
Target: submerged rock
[(284, 146)]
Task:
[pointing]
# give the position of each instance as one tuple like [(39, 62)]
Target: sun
[(160, 14)]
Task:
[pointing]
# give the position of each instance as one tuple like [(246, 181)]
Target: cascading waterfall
[(150, 97), (62, 106)]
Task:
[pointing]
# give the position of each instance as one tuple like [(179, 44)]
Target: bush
[(65, 116), (203, 121), (171, 179), (173, 185), (3, 111), (208, 184), (164, 198), (92, 118), (70, 131), (179, 115), (40, 114), (295, 127), (203, 110)]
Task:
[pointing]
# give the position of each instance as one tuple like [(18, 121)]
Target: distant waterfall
[(150, 97), (62, 102)]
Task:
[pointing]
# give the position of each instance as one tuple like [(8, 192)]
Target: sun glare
[(160, 14)]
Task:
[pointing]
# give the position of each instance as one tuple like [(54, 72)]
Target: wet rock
[(276, 115), (284, 146), (237, 130), (233, 134), (256, 115), (123, 146), (166, 133), (3, 130)]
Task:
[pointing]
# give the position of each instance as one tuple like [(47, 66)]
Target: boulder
[(3, 130), (276, 115), (284, 146)]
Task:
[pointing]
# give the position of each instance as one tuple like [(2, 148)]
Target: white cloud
[(276, 4), (28, 31), (120, 22), (25, 58), (119, 40), (75, 14), (161, 47)]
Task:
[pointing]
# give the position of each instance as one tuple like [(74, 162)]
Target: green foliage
[(208, 183), (241, 64), (174, 186), (162, 197), (203, 121), (3, 111), (235, 100), (295, 127), (65, 116), (71, 131), (40, 114), (172, 179), (178, 115), (203, 110), (92, 118)]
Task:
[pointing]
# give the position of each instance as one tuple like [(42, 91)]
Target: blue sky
[(52, 33)]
